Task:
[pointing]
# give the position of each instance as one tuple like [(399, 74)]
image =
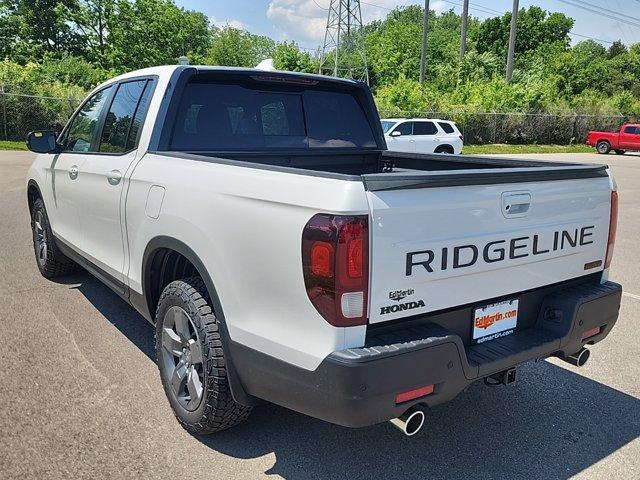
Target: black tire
[(50, 260), (216, 410), (448, 149), (603, 147), (619, 152)]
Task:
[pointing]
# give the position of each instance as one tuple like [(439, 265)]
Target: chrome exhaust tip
[(410, 422), (577, 359)]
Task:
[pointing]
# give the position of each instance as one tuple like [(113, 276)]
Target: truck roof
[(168, 70)]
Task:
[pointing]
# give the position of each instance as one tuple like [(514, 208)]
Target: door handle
[(515, 204), (114, 177), (73, 172)]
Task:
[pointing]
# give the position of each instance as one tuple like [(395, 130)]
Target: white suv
[(420, 135)]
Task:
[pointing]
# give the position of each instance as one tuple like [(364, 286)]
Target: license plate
[(495, 321)]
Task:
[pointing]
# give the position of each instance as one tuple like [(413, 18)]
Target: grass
[(499, 148), (8, 145)]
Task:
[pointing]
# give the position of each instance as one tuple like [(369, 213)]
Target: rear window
[(446, 127), (226, 117)]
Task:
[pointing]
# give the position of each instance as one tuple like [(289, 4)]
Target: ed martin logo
[(400, 294)]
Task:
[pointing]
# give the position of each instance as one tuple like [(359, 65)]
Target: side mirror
[(396, 133), (42, 141)]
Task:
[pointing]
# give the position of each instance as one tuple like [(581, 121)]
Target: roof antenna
[(183, 60)]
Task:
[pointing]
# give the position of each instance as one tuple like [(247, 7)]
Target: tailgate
[(438, 244)]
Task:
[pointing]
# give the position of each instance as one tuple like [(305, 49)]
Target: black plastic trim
[(380, 181), (113, 283)]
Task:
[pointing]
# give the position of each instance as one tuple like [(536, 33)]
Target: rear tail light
[(613, 227), (335, 264)]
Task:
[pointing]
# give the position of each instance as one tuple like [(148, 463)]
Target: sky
[(304, 20)]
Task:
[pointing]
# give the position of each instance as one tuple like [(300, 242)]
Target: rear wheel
[(448, 149), (603, 147), (191, 360), (51, 261), (619, 152)]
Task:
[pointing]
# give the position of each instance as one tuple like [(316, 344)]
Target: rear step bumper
[(357, 387)]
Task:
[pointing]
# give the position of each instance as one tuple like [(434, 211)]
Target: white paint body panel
[(245, 224), (416, 220)]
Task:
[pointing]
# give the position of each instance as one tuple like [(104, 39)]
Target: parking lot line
[(632, 295)]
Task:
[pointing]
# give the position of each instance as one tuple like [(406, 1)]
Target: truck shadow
[(552, 423)]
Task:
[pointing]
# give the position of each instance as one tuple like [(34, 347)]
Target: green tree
[(234, 47), (155, 32), (31, 28), (536, 27), (288, 56), (616, 48), (93, 19)]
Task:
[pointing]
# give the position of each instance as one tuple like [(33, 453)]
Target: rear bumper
[(357, 387)]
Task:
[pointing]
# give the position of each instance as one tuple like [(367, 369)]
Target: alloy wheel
[(183, 359), (40, 238)]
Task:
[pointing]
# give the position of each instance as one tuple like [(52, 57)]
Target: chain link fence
[(522, 128), (21, 113)]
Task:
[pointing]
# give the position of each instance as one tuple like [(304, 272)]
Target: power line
[(591, 38), (604, 14), (608, 10), (484, 9)]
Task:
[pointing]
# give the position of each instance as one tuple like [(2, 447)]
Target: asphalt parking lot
[(80, 394)]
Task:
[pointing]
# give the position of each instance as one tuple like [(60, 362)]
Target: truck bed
[(384, 170)]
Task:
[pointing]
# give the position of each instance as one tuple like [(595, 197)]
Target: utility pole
[(512, 40), (463, 35), (4, 110), (425, 30)]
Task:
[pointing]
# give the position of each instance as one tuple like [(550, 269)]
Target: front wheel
[(603, 147), (191, 360)]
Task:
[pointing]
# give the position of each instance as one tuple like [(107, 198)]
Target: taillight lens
[(613, 227), (335, 263)]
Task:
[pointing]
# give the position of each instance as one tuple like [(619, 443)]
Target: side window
[(123, 121), (446, 127), (631, 130), (405, 128), (138, 118), (84, 125), (424, 128)]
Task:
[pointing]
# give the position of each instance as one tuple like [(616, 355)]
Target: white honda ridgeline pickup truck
[(283, 254)]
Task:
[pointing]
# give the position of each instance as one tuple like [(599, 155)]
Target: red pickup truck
[(628, 138)]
